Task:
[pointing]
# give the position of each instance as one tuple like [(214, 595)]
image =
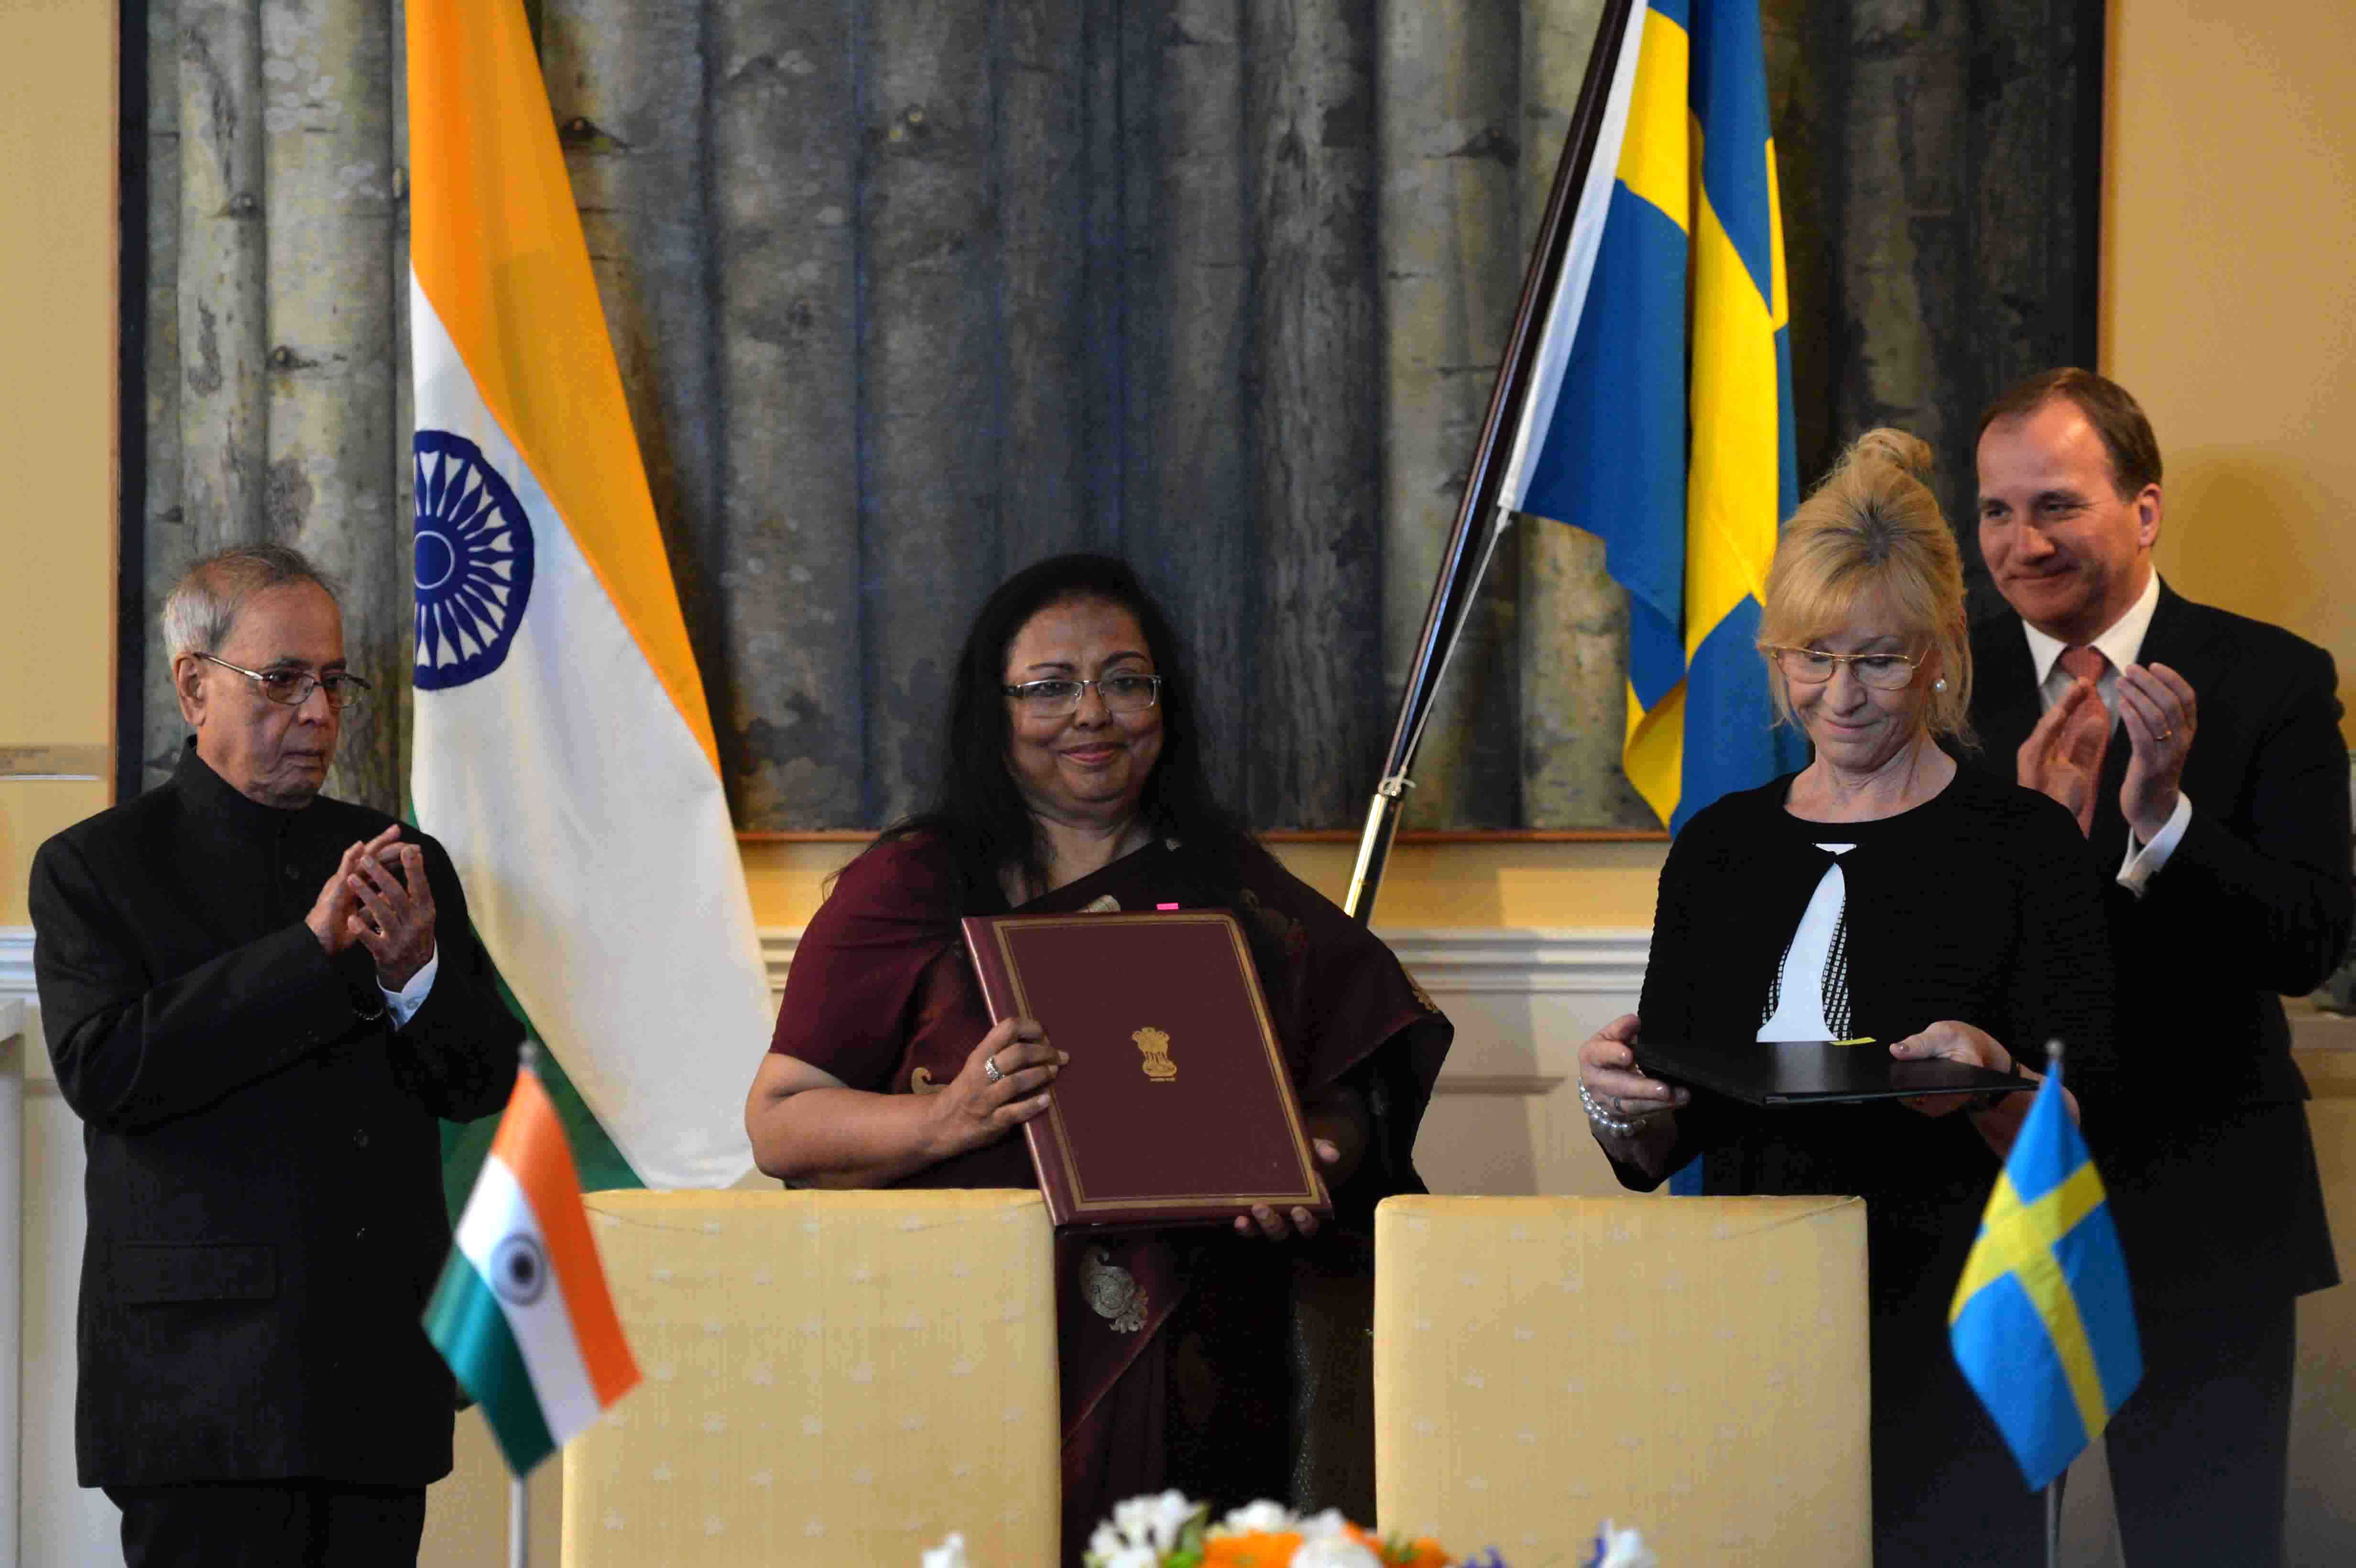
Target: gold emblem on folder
[(1156, 1047)]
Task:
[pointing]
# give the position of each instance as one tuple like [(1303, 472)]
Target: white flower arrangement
[(1622, 1549), (1143, 1532), (1170, 1531)]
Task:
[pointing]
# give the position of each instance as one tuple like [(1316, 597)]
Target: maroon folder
[(1175, 1108)]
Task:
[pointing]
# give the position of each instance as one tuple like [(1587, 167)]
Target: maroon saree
[(881, 995)]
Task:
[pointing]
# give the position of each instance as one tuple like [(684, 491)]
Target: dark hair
[(2110, 408), (977, 810)]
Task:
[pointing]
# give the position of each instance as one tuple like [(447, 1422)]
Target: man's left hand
[(396, 919), (2158, 706)]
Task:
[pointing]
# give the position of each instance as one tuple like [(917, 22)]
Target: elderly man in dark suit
[(259, 999), (2202, 752)]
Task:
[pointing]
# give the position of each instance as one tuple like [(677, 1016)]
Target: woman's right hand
[(973, 1109), (1608, 1072)]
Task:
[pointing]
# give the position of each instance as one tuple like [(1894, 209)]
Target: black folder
[(1815, 1073)]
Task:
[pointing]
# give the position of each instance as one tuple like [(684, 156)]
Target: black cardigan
[(1978, 905)]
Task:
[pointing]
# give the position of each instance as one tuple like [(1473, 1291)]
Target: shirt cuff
[(2141, 864), (406, 1002)]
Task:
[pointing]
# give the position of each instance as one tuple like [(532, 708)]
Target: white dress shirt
[(2121, 643), (406, 1002)]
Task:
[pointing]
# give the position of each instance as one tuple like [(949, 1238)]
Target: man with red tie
[(2202, 752)]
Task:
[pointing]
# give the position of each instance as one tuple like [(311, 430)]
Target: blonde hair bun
[(1901, 450), (1874, 528)]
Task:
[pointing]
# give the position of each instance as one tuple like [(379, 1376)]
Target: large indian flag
[(522, 1314), (563, 750)]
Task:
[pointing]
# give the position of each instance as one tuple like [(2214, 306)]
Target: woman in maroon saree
[(1073, 783)]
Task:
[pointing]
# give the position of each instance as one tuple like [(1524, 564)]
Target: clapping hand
[(390, 914), (395, 920), (2059, 756), (2158, 707)]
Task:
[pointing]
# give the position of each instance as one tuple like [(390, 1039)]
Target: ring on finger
[(990, 1068)]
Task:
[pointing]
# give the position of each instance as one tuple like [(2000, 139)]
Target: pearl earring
[(1940, 684)]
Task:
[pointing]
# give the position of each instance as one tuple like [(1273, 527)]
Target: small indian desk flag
[(522, 1314), (2042, 1324)]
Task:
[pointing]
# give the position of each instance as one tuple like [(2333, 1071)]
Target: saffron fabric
[(563, 747)]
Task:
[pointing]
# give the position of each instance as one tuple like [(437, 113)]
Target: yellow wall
[(2229, 299), (57, 415), (2229, 309), (1513, 884)]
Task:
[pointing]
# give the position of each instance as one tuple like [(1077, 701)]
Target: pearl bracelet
[(1602, 1118)]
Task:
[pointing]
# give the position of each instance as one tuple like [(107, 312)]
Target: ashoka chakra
[(473, 562)]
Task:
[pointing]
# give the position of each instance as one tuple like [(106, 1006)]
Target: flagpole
[(518, 1493), (1479, 519), (2053, 1486)]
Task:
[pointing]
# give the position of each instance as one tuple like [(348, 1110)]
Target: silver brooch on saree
[(1111, 1291)]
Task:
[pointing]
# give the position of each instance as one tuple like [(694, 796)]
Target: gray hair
[(203, 605)]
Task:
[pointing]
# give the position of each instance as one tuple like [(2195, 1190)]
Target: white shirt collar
[(2122, 642)]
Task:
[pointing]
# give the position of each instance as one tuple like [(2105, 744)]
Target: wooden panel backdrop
[(908, 293)]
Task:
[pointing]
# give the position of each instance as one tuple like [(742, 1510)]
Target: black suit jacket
[(265, 1208), (2200, 1131)]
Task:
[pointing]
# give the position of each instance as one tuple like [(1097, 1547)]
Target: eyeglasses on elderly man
[(292, 687)]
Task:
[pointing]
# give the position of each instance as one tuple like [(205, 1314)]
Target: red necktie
[(2088, 664)]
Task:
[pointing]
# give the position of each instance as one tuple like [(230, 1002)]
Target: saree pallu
[(1231, 1367)]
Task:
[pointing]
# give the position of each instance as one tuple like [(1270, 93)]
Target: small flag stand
[(522, 1314), (2044, 1325), (519, 1523)]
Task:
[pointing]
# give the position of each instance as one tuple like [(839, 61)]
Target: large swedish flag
[(1660, 418), (2042, 1324)]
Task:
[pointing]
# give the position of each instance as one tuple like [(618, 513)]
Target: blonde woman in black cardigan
[(1881, 892)]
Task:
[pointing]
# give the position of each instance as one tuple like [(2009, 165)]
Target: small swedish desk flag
[(2042, 1324)]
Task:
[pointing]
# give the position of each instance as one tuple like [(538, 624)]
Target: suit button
[(360, 1138), (294, 873)]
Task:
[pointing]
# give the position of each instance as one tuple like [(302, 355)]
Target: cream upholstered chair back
[(1694, 1367), (836, 1378)]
